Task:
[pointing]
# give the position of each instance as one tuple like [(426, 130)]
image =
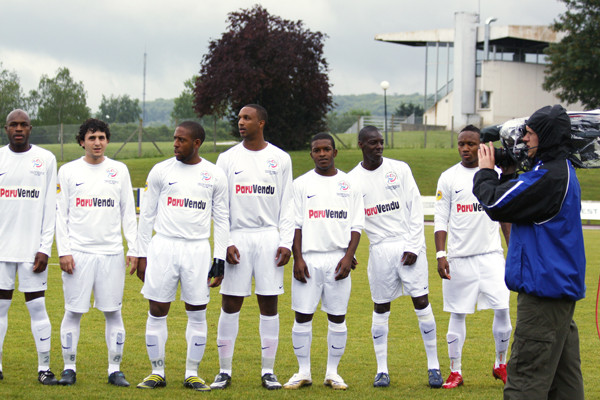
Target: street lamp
[(385, 86)]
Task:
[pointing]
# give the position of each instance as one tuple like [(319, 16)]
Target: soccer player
[(261, 225), (94, 200), (394, 224), (182, 193), (27, 216), (329, 218), (473, 269)]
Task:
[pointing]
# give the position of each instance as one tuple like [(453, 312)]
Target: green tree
[(273, 62), (574, 69), (121, 109), (407, 109), (60, 100), (183, 107), (11, 94)]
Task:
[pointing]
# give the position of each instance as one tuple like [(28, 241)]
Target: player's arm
[(442, 262), (220, 215), (506, 226), (286, 215), (300, 267), (63, 243), (342, 270), (441, 219), (148, 210), (416, 226), (48, 220), (128, 219)]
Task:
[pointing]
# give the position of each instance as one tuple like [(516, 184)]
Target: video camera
[(585, 141)]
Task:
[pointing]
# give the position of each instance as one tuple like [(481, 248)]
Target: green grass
[(406, 355)]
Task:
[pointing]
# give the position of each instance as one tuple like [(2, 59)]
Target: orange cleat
[(500, 372), (455, 379)]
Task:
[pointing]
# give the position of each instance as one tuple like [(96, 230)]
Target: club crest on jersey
[(438, 195), (343, 189), (272, 166), (391, 179), (111, 174), (205, 176), (37, 165)]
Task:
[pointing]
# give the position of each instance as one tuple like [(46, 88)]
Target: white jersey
[(458, 212), (179, 201), (393, 206), (27, 203), (327, 209), (260, 190), (93, 201)]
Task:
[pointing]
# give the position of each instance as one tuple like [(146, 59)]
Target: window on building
[(485, 99)]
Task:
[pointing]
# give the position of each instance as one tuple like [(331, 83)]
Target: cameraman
[(546, 258)]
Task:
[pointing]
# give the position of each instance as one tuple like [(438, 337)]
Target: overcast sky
[(103, 42)]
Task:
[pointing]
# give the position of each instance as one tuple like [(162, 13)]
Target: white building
[(483, 74)]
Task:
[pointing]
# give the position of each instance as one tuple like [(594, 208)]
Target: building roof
[(528, 38)]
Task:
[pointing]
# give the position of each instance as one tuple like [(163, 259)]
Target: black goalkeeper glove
[(217, 269)]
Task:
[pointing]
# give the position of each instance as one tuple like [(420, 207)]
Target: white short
[(389, 278), (475, 280), (321, 285), (171, 261), (28, 280), (257, 259), (102, 273)]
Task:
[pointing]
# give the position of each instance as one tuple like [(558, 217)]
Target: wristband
[(440, 254)]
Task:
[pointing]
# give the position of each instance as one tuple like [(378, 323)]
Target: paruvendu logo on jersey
[(343, 189), (186, 203), (19, 193), (469, 208), (382, 208), (254, 189), (331, 214), (272, 166), (95, 202), (391, 180)]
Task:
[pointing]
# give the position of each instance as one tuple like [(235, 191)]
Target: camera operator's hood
[(553, 127)]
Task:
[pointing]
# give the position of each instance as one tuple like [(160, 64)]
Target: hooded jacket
[(546, 256)]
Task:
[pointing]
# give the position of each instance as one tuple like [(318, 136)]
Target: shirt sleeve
[(441, 216), (63, 243), (220, 214), (49, 218), (298, 210), (128, 216), (358, 210), (415, 241), (286, 212), (149, 207)]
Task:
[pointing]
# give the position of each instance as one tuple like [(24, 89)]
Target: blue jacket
[(546, 256)]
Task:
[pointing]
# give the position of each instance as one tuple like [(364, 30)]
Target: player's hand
[(233, 255), (216, 273), (132, 262), (141, 268), (300, 270), (283, 256), (40, 262), (443, 268), (485, 155), (67, 264), (343, 268), (354, 263), (408, 258)]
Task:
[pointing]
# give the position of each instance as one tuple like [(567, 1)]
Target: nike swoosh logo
[(79, 184), (458, 191), (308, 197), (199, 344), (266, 347), (452, 341), (281, 287), (66, 348), (221, 345), (297, 348), (118, 344), (150, 345), (504, 340), (377, 337), (429, 331), (2, 173), (172, 183), (43, 339), (337, 348), (238, 172)]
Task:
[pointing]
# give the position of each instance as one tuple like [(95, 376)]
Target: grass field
[(406, 355)]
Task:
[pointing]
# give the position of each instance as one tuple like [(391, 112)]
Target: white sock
[(501, 328), (429, 334), (337, 335), (69, 338), (4, 305), (457, 332), (114, 335), (301, 341), (226, 334), (156, 339), (379, 330), (269, 340), (195, 334), (42, 331)]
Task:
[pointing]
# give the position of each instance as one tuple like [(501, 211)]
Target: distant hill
[(158, 112)]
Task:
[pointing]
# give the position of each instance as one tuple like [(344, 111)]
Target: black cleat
[(152, 381), (193, 382), (47, 378), (67, 378), (381, 380), (269, 381), (222, 380), (117, 378)]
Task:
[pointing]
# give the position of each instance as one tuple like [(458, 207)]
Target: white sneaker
[(297, 381), (335, 382)]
